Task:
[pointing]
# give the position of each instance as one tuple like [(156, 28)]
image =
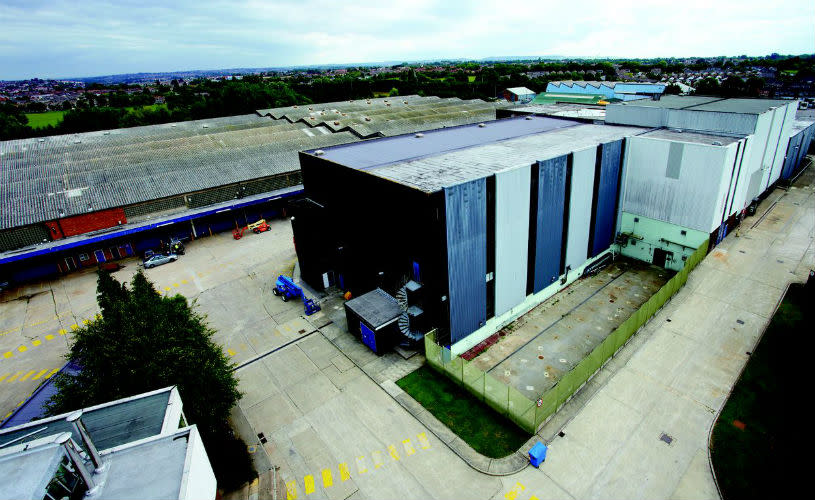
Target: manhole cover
[(540, 347), (666, 438), (562, 360), (739, 321), (546, 374), (507, 373)]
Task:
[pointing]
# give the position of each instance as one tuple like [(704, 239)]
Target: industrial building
[(623, 91), (137, 447), (518, 95), (489, 220), (77, 200)]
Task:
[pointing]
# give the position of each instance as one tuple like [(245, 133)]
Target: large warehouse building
[(76, 200), (491, 219)]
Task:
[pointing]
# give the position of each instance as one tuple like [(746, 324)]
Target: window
[(83, 257)]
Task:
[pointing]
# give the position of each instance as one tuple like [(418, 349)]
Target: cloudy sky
[(65, 38)]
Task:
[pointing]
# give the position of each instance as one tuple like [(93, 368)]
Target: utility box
[(374, 317), (537, 454)]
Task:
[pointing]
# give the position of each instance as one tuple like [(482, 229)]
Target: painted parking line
[(22, 376), (362, 468), (513, 492), (378, 459), (344, 474), (409, 449), (423, 441), (328, 479), (308, 484), (393, 453), (291, 490)]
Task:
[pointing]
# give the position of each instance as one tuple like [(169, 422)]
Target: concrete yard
[(544, 344)]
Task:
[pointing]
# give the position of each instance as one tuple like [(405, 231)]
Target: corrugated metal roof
[(377, 308), (59, 176), (520, 91), (553, 97), (747, 106), (694, 137)]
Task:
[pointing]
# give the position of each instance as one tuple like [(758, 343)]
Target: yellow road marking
[(231, 352), (8, 354), (328, 479), (36, 342), (49, 337), (25, 377), (184, 282), (14, 377), (37, 376), (167, 288), (377, 459), (393, 453), (62, 331), (423, 441), (361, 467), (74, 327), (291, 490), (4, 377), (513, 493), (344, 475), (533, 497), (38, 323), (308, 484), (52, 372), (175, 285), (409, 449), (22, 348)]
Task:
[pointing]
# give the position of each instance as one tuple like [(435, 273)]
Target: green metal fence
[(530, 415)]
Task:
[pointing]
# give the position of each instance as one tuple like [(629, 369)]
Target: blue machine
[(286, 289)]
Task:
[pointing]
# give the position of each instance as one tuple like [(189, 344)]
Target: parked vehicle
[(286, 289), (158, 259)]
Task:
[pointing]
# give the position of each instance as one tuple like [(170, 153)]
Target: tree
[(393, 92), (142, 341), (672, 88)]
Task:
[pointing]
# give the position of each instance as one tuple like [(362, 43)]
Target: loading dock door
[(100, 255), (549, 215)]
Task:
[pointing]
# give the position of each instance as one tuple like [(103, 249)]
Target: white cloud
[(59, 38)]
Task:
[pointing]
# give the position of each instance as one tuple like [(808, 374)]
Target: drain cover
[(562, 360), (546, 374), (507, 373), (739, 321), (666, 438)]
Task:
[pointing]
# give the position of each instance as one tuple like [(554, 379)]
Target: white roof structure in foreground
[(131, 448)]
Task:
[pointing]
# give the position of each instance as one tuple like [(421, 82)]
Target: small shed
[(519, 94), (374, 316)]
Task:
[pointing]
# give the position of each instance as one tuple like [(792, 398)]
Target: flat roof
[(694, 137), (714, 104), (474, 156), (381, 152), (160, 464), (27, 473)]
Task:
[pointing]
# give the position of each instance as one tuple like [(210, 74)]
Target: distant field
[(40, 120), (149, 107)]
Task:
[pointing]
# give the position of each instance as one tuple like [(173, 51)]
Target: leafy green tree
[(142, 341), (672, 88)]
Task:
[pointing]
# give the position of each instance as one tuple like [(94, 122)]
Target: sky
[(62, 39)]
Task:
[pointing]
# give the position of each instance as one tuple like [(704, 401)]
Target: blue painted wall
[(466, 217), (605, 213), (549, 225)]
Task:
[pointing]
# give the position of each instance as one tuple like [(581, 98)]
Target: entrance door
[(660, 256), (100, 255)]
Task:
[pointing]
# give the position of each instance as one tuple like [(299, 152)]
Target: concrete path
[(640, 428)]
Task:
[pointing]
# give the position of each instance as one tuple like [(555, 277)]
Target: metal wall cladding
[(691, 200), (711, 121), (793, 154), (549, 223), (773, 142), (466, 217), (605, 214), (512, 193), (582, 193), (783, 141)]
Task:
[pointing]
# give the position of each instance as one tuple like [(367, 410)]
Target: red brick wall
[(86, 223)]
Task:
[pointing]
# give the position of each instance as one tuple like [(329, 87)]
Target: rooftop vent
[(78, 141), (336, 123), (482, 125), (106, 132), (319, 152), (206, 126), (40, 140), (717, 143), (419, 135), (311, 109), (679, 130), (173, 125)]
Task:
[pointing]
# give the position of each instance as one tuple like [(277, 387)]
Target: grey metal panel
[(511, 237), (549, 227), (605, 215), (466, 217), (580, 198), (674, 160), (710, 121)]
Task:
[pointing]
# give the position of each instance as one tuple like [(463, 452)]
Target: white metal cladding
[(640, 116), (756, 159), (512, 190), (689, 200), (783, 141), (771, 151), (580, 198), (740, 194), (711, 121)]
